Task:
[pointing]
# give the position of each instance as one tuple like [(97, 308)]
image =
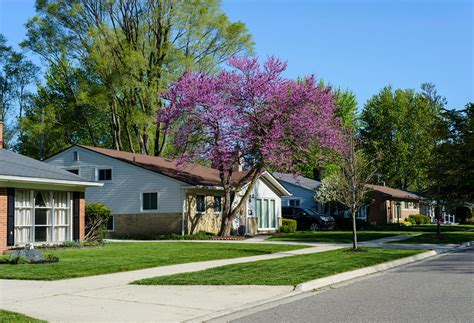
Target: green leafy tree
[(128, 52), (399, 125), (16, 74), (452, 170)]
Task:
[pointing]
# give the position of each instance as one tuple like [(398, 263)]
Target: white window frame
[(141, 202), (51, 226), (269, 199), (75, 155), (97, 169), (294, 199), (205, 204)]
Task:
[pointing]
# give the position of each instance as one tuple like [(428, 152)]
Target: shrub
[(288, 225), (200, 235), (418, 219), (50, 258), (97, 216)]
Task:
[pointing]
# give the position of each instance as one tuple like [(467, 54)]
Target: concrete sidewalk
[(110, 298)]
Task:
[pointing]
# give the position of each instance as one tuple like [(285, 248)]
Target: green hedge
[(288, 225), (418, 219)]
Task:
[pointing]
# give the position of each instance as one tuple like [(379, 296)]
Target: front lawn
[(6, 316), (334, 236), (116, 257), (446, 238), (425, 228), (283, 271)]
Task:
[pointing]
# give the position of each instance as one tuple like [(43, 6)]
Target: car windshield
[(310, 212)]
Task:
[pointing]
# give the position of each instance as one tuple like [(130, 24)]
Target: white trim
[(5, 178), (157, 202), (268, 176), (294, 199), (99, 168)]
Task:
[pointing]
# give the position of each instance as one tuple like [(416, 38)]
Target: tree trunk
[(354, 231)]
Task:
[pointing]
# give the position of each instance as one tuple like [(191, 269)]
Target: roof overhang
[(275, 184), (35, 180)]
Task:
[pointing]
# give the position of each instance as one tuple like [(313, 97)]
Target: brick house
[(391, 205), (39, 203), (149, 195)]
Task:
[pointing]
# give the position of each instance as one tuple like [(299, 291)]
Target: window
[(42, 216), (150, 201), (110, 224), (265, 210), (294, 202), (76, 156), (407, 205), (105, 174), (74, 171), (416, 205), (217, 204), (200, 203)]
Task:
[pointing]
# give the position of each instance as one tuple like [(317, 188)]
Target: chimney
[(1, 132), (382, 183)]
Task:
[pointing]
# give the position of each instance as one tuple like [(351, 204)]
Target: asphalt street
[(437, 290)]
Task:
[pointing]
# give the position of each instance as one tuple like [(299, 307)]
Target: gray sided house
[(302, 191), (150, 195)]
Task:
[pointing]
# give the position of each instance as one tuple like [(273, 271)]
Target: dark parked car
[(308, 219)]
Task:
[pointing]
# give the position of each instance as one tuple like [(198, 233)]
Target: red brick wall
[(3, 219)]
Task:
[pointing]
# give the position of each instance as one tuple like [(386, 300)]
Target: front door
[(398, 212), (266, 213)]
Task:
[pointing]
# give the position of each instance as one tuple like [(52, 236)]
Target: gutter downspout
[(183, 213)]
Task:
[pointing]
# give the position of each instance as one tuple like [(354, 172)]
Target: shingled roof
[(14, 165), (298, 180), (193, 174), (393, 192)]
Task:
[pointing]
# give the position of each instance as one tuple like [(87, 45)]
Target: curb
[(300, 289), (338, 278)]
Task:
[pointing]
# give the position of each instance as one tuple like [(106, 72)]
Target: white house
[(150, 195)]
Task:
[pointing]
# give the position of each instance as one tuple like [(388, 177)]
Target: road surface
[(437, 290)]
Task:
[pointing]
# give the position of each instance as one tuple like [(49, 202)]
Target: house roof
[(18, 168), (298, 180), (393, 192), (193, 174)]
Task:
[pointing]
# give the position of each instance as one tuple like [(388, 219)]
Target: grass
[(118, 257), (334, 236), (283, 271), (7, 317), (446, 238), (426, 228)]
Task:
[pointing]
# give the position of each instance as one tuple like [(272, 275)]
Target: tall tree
[(399, 125), (320, 162), (132, 50), (16, 74), (452, 170), (250, 115)]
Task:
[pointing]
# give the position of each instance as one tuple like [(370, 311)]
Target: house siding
[(123, 194), (305, 195), (146, 225)]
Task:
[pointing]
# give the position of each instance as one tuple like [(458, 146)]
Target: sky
[(361, 45)]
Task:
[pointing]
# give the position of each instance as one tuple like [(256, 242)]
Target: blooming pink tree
[(248, 114)]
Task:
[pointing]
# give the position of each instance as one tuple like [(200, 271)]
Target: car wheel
[(314, 227)]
